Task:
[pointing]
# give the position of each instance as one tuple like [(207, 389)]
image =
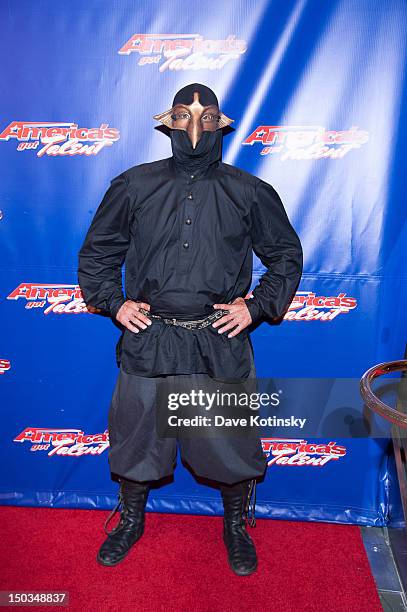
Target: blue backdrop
[(317, 91)]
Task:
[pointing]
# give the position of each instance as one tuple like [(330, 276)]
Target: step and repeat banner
[(316, 92)]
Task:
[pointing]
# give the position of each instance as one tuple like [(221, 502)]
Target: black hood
[(209, 147), (208, 150)]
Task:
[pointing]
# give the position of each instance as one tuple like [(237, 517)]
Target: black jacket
[(187, 241)]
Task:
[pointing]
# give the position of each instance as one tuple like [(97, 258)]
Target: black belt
[(195, 324)]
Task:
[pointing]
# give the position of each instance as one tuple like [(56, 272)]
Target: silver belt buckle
[(170, 321)]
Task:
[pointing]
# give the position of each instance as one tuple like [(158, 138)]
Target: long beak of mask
[(195, 109)]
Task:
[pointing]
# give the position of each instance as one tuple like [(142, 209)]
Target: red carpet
[(180, 565)]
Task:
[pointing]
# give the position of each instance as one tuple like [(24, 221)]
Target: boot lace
[(111, 515), (250, 506)]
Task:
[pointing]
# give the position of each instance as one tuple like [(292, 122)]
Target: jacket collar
[(181, 172)]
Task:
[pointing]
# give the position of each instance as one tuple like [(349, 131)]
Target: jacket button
[(185, 245), (188, 221), (190, 196)]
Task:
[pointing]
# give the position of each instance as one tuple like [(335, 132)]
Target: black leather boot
[(240, 547), (133, 498)]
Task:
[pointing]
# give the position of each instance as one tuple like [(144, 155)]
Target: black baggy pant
[(137, 452)]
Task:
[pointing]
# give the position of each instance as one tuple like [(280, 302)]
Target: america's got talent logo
[(183, 51), (66, 442), (54, 298), (301, 142), (59, 139), (297, 452), (308, 306)]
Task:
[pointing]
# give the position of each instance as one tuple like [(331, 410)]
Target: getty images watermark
[(200, 406), (206, 407), (204, 401)]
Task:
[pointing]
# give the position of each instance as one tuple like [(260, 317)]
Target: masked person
[(186, 228)]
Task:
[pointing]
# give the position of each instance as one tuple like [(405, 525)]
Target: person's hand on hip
[(130, 316), (238, 317)]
